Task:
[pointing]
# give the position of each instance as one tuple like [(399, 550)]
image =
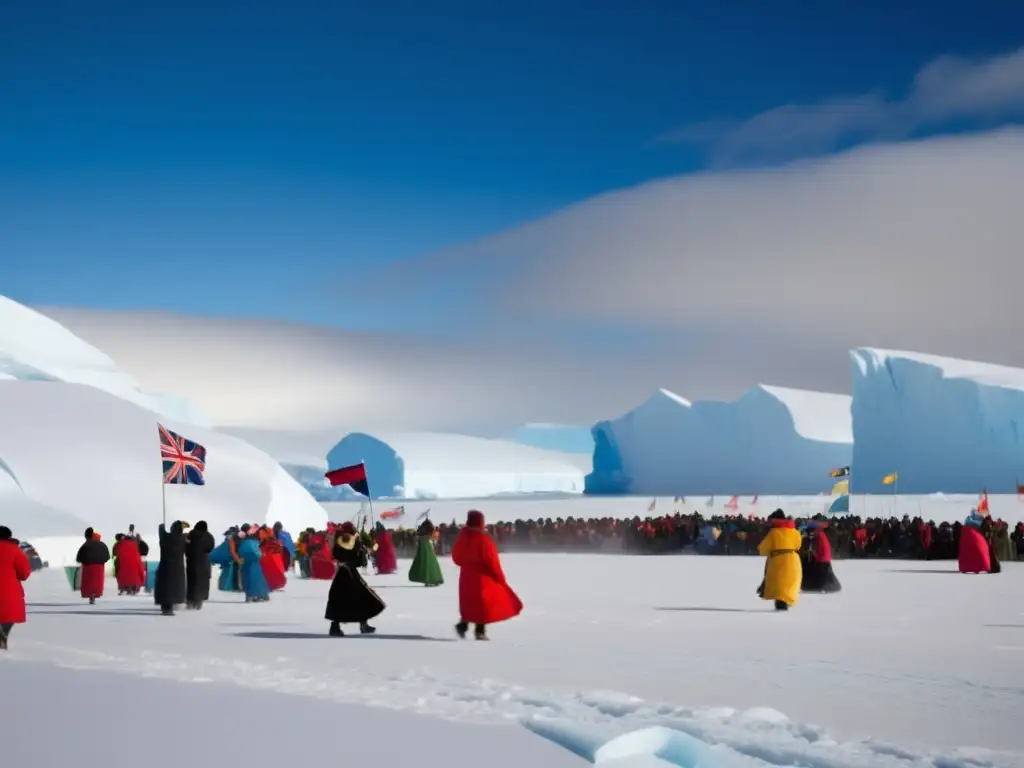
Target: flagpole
[(163, 499)]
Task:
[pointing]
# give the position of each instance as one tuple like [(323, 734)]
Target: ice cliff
[(772, 440), (944, 425), (34, 347), (440, 465), (79, 446)]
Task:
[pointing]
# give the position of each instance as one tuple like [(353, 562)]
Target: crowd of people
[(256, 560), (849, 536)]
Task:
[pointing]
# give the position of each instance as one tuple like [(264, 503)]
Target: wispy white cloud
[(770, 275), (947, 90), (271, 375)]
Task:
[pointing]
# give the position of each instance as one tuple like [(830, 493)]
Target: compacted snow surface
[(625, 661)]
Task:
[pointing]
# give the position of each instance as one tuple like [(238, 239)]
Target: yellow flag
[(890, 479), (843, 486)]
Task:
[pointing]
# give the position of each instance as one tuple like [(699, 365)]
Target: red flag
[(354, 476), (734, 503), (983, 504)]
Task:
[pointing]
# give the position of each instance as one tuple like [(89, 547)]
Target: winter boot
[(92, 601), (366, 629), (3, 637), (781, 606), (167, 610), (335, 630), (480, 632), (460, 629)]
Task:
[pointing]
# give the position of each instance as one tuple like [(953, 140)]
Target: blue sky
[(240, 158)]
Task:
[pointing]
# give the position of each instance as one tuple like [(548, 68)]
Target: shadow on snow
[(324, 636)]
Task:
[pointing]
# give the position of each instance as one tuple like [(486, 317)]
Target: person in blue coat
[(287, 543), (254, 583), (225, 555)]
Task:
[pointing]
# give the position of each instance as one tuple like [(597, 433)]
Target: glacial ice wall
[(432, 465), (772, 440), (944, 425)]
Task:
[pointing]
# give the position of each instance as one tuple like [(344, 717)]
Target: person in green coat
[(425, 569)]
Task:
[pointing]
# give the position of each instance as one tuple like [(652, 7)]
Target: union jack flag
[(184, 460)]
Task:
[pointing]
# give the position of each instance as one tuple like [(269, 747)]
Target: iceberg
[(93, 459), (432, 465), (943, 425), (34, 347), (772, 440), (79, 447), (556, 437)]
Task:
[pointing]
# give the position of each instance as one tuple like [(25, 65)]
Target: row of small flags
[(733, 503), (184, 463)]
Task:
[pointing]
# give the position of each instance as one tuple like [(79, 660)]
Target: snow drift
[(944, 425), (88, 458), (79, 447), (437, 465), (772, 440), (34, 347)]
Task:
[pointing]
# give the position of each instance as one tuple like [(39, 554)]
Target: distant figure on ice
[(484, 595), (198, 545), (974, 552), (93, 556), (387, 559), (288, 555), (350, 600), (170, 574), (425, 569), (129, 570), (254, 583), (14, 569), (818, 575), (783, 572)]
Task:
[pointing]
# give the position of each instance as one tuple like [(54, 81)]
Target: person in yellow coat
[(783, 571)]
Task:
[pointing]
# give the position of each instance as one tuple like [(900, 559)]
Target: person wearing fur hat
[(484, 595), (350, 600), (14, 569), (93, 556), (974, 553)]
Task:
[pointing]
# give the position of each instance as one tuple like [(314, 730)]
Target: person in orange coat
[(484, 595), (93, 556), (14, 569)]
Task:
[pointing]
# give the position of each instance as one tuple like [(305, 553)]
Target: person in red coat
[(14, 569), (272, 561), (386, 559), (93, 556), (974, 555), (484, 595), (131, 571)]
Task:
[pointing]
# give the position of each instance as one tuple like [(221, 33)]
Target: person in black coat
[(350, 600), (170, 574), (198, 546)]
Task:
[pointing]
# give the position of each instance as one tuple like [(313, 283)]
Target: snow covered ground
[(911, 665)]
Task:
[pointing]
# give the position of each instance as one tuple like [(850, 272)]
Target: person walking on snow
[(93, 556), (350, 600), (783, 569), (484, 595), (14, 569), (170, 574)]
